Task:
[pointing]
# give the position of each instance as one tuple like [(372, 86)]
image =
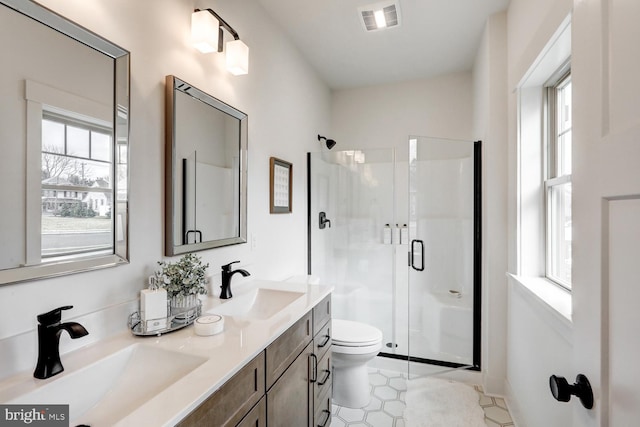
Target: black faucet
[(225, 292), (49, 331)]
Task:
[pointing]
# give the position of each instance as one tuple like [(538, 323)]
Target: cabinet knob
[(562, 390)]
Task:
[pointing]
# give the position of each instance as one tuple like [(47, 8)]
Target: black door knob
[(562, 390)]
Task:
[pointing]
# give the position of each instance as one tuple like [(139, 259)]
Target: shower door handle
[(412, 255)]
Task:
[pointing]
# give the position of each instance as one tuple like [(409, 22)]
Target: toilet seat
[(347, 333)]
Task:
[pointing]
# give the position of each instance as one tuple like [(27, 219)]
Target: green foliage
[(185, 277), (76, 210)]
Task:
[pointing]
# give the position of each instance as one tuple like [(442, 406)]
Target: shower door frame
[(477, 274), (477, 245)]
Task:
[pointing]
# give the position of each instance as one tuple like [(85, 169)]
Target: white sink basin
[(111, 388), (259, 304)]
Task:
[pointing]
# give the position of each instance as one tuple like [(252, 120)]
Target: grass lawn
[(59, 223)]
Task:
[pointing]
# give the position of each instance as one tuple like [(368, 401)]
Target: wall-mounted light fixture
[(207, 36)]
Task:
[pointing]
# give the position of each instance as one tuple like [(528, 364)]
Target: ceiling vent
[(379, 16)]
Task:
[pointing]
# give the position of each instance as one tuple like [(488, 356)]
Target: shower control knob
[(562, 390)]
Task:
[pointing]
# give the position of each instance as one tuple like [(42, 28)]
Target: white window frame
[(71, 191), (528, 268), (553, 178)]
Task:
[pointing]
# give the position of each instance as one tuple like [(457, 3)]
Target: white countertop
[(225, 353)]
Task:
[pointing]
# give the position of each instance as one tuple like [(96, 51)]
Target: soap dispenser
[(153, 306), (386, 235)]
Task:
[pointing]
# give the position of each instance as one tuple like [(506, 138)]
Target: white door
[(606, 208)]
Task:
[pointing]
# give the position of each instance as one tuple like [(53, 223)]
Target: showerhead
[(330, 142)]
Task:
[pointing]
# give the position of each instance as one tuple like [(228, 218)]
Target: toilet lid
[(347, 332)]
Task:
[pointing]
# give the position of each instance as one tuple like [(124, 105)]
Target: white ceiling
[(435, 37)]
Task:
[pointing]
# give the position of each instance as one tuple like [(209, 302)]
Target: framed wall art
[(281, 185)]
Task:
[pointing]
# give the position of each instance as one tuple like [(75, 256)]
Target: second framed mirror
[(206, 171)]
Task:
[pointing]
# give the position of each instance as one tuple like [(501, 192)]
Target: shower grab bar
[(412, 255)]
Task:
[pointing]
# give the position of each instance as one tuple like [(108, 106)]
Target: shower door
[(444, 252), (351, 198), (369, 209)]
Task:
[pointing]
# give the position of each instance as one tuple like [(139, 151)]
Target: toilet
[(354, 344)]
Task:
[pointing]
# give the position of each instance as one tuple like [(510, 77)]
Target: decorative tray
[(177, 320)]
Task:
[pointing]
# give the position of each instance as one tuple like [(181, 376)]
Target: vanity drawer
[(257, 417), (322, 415), (229, 404), (322, 340), (284, 350), (324, 378), (321, 314)]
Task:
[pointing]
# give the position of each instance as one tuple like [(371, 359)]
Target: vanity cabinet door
[(284, 350), (290, 400), (229, 404)]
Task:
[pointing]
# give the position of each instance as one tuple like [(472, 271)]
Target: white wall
[(539, 341), (287, 106), (539, 345), (384, 116), (490, 102)]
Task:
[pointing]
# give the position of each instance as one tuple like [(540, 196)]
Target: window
[(557, 185), (76, 177)]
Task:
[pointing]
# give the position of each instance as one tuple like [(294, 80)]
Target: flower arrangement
[(183, 278)]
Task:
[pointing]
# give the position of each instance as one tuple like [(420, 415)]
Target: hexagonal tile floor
[(387, 405)]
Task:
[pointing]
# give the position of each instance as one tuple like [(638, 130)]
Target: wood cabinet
[(288, 384), (281, 353), (301, 395), (322, 313), (290, 400), (229, 404), (322, 340), (257, 417), (322, 379)]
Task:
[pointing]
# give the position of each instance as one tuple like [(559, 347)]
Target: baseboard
[(493, 386), (512, 404)]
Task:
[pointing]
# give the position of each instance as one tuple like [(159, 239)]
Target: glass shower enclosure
[(397, 232)]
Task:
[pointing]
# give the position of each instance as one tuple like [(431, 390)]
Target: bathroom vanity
[(288, 384), (270, 366)]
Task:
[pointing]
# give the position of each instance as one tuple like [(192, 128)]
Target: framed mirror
[(64, 123), (206, 171)]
